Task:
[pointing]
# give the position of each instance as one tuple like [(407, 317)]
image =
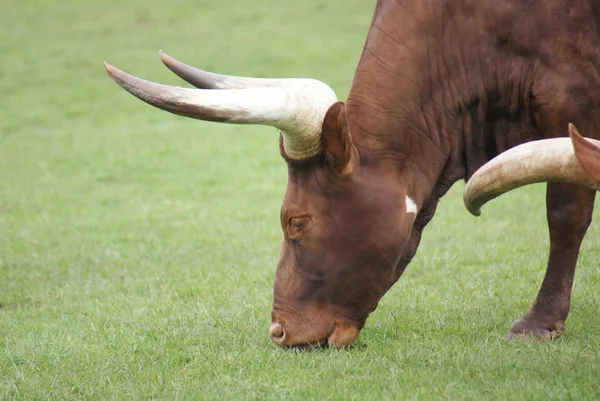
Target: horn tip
[(473, 209), (471, 204), (573, 131), (164, 57), (115, 74), (110, 69), (475, 212)]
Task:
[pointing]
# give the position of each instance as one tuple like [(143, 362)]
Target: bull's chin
[(343, 336)]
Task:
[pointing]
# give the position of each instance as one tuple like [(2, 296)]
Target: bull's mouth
[(340, 336)]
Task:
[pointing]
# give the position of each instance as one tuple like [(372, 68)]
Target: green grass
[(137, 248)]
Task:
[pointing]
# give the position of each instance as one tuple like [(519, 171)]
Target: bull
[(443, 91)]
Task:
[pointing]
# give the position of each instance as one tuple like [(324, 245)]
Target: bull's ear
[(588, 153), (338, 147)]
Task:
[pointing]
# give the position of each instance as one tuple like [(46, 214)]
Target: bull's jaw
[(343, 336)]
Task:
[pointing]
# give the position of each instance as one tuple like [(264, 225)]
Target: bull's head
[(334, 264), (345, 227)]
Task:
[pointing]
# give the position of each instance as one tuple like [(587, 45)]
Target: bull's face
[(344, 229), (343, 226)]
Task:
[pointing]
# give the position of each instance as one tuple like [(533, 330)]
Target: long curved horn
[(298, 112), (547, 160), (209, 80)]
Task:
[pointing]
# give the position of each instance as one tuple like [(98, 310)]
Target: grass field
[(137, 248)]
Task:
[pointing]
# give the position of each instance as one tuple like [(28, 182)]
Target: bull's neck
[(395, 128), (417, 157), (393, 114), (419, 96)]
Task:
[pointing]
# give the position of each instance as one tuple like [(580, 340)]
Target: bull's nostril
[(276, 332)]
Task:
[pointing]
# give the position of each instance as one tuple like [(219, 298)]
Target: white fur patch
[(411, 207)]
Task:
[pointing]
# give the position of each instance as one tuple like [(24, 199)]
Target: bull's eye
[(297, 224)]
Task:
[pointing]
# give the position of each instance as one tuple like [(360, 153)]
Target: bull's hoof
[(537, 330)]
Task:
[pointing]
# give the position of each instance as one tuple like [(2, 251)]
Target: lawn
[(137, 248)]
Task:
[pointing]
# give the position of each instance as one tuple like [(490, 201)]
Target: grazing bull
[(442, 87)]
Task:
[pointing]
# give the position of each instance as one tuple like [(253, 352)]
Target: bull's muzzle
[(342, 336)]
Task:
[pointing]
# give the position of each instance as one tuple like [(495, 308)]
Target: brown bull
[(441, 89)]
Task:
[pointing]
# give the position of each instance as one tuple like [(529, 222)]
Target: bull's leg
[(569, 213)]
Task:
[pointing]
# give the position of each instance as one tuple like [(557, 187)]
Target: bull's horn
[(209, 80), (547, 160), (298, 112)]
